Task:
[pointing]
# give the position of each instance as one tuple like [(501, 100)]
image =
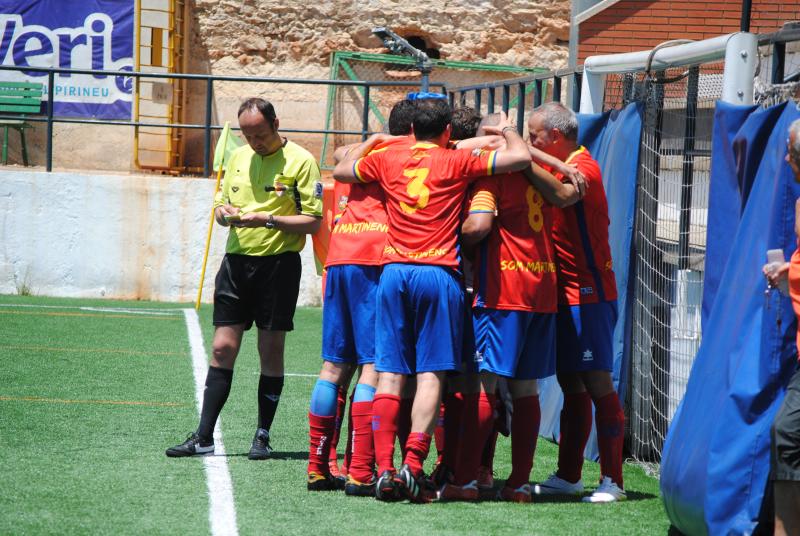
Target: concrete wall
[(113, 236)]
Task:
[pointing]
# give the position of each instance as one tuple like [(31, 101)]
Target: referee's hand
[(222, 211), (252, 219)]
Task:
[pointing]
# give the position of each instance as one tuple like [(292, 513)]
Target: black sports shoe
[(193, 446), (441, 475), (385, 487), (324, 482), (260, 449), (354, 488), (416, 489)]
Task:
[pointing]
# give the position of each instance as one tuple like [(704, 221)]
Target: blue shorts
[(584, 336), (348, 314), (420, 319), (515, 344)]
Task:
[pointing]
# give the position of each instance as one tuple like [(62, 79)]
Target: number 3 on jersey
[(535, 202), (416, 188)]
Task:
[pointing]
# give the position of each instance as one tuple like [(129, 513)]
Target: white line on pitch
[(221, 511), (139, 311)]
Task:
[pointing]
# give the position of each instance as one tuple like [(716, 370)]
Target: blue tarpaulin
[(611, 138), (715, 461)]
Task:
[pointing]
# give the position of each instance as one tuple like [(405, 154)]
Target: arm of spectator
[(797, 217), (775, 273)]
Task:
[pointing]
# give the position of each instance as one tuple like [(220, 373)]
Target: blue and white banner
[(72, 34)]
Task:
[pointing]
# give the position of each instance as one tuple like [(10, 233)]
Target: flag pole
[(211, 223)]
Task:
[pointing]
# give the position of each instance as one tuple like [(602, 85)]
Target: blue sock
[(323, 398), (364, 393)]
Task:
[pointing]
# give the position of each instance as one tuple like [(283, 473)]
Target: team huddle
[(421, 209), (464, 265)]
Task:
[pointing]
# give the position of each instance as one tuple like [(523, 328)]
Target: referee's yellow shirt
[(284, 183)]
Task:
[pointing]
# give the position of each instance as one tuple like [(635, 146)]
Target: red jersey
[(514, 267), (358, 232), (425, 186), (580, 235)]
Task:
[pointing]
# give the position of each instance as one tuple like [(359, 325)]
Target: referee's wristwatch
[(270, 224)]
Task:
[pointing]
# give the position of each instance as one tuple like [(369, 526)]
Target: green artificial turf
[(89, 400)]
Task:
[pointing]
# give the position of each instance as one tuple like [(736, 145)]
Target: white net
[(669, 254)]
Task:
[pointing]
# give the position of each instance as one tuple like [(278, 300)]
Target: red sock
[(348, 451), (404, 423), (454, 406), (417, 447), (363, 457), (341, 398), (576, 425), (524, 433), (385, 409), (319, 434), (487, 457), (610, 436), (438, 434), (476, 425)]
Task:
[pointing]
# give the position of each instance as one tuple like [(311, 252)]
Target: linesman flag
[(226, 144)]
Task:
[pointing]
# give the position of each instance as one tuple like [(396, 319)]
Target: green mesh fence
[(345, 108)]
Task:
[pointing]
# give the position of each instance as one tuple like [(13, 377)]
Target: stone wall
[(274, 38), (292, 39)]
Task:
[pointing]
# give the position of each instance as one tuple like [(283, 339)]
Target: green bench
[(18, 98)]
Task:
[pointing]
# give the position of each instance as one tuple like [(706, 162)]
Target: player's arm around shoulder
[(345, 170), (515, 155), (553, 190)]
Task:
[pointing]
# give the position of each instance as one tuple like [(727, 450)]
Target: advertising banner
[(72, 34)]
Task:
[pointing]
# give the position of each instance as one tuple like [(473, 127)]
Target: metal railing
[(537, 84), (208, 127)]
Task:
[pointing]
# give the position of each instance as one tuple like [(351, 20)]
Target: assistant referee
[(271, 198)]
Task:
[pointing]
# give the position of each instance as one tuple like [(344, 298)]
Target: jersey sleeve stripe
[(492, 158), (483, 201), (356, 172)]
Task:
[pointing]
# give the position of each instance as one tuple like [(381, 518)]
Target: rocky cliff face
[(293, 39), (270, 37)]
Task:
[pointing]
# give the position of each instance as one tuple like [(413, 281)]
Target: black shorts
[(260, 289), (785, 455)]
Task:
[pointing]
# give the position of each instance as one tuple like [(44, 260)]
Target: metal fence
[(670, 235), (208, 127), (346, 105), (669, 238), (672, 208), (517, 97)]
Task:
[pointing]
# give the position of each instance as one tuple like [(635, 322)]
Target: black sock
[(218, 386), (269, 394)]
